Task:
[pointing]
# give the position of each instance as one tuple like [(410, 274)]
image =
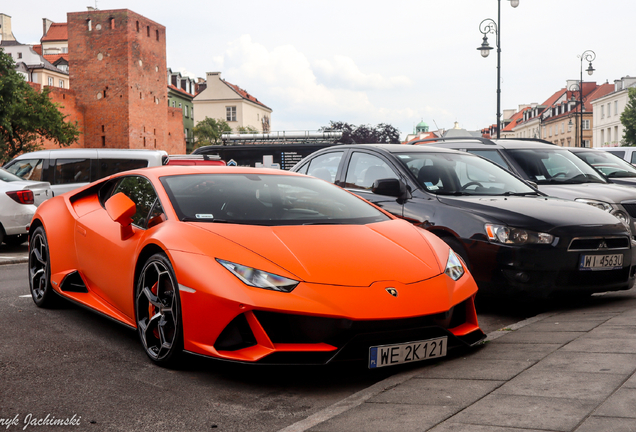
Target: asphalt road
[(69, 362)]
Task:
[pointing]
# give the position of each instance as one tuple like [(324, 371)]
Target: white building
[(608, 129), (229, 102)]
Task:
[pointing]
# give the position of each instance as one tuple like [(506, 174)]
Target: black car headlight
[(454, 267), (259, 278), (517, 236)]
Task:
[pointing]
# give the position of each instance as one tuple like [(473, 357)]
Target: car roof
[(77, 152), (485, 143), (392, 148), (173, 170)]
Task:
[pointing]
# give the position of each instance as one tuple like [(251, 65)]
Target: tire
[(40, 271), (15, 240), (158, 311), (458, 248)]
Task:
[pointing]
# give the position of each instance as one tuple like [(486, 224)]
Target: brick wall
[(67, 104), (117, 65)]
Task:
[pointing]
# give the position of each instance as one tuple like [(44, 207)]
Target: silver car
[(18, 201)]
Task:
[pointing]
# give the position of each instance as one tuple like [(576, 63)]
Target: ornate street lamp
[(589, 56), (574, 88), (490, 26)]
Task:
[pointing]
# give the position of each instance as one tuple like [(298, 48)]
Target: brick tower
[(117, 67)]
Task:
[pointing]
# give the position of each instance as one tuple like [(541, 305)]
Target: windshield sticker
[(540, 177), (204, 216), (430, 186)]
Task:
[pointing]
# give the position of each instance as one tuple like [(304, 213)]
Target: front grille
[(631, 209), (598, 243)]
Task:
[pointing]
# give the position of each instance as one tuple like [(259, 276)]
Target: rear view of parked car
[(68, 169), (515, 240), (18, 200)]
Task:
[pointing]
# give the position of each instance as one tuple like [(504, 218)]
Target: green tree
[(28, 117), (247, 130), (365, 134), (628, 119), (209, 131)]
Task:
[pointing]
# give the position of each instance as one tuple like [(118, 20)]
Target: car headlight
[(508, 235), (258, 278), (595, 203), (621, 216), (454, 268)]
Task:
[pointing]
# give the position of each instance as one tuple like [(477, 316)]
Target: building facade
[(221, 100), (33, 66), (607, 109), (181, 92)]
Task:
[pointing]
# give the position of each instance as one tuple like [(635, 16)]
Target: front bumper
[(545, 270)]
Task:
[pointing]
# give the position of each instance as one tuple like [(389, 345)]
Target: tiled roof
[(244, 94), (57, 32), (55, 57), (515, 119), (600, 91), (37, 49), (180, 90)]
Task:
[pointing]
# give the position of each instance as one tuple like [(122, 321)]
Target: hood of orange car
[(351, 255)]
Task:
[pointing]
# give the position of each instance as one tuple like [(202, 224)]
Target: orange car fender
[(59, 226)]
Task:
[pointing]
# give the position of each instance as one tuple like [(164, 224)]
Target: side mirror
[(121, 209), (389, 187)]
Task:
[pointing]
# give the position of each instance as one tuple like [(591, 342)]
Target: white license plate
[(390, 355), (601, 262)]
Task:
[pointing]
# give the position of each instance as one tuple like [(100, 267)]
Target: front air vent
[(73, 282), (598, 243)]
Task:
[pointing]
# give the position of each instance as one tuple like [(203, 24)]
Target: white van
[(67, 169), (628, 153)]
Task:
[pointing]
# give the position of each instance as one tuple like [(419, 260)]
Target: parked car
[(18, 200), (68, 169), (195, 159), (611, 167), (627, 153), (252, 265), (556, 171), (516, 240)]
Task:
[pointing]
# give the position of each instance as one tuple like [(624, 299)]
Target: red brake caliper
[(152, 309)]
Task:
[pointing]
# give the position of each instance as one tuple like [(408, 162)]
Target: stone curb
[(13, 261)]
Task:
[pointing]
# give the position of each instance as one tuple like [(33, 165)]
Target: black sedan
[(514, 238)]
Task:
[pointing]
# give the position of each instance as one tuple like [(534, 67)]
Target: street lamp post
[(575, 88), (589, 56), (490, 26)]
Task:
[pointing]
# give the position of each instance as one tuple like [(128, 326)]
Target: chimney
[(5, 28), (46, 25)]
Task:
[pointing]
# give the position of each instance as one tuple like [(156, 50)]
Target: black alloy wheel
[(158, 311), (40, 270)]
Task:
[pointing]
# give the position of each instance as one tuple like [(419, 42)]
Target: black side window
[(141, 192), (492, 155), (325, 166), (72, 171), (113, 166), (364, 169)]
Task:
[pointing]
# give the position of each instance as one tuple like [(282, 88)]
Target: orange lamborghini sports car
[(252, 265)]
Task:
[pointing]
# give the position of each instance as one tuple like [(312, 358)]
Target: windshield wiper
[(520, 193), (191, 219)]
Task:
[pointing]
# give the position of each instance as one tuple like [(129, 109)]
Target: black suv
[(555, 170), (513, 238)]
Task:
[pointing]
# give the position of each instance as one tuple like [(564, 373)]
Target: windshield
[(7, 176), (554, 166), (462, 174), (265, 200), (607, 163)]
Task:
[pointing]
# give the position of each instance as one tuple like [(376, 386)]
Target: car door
[(106, 260), (361, 169)]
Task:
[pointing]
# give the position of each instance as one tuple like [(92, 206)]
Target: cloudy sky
[(370, 62)]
